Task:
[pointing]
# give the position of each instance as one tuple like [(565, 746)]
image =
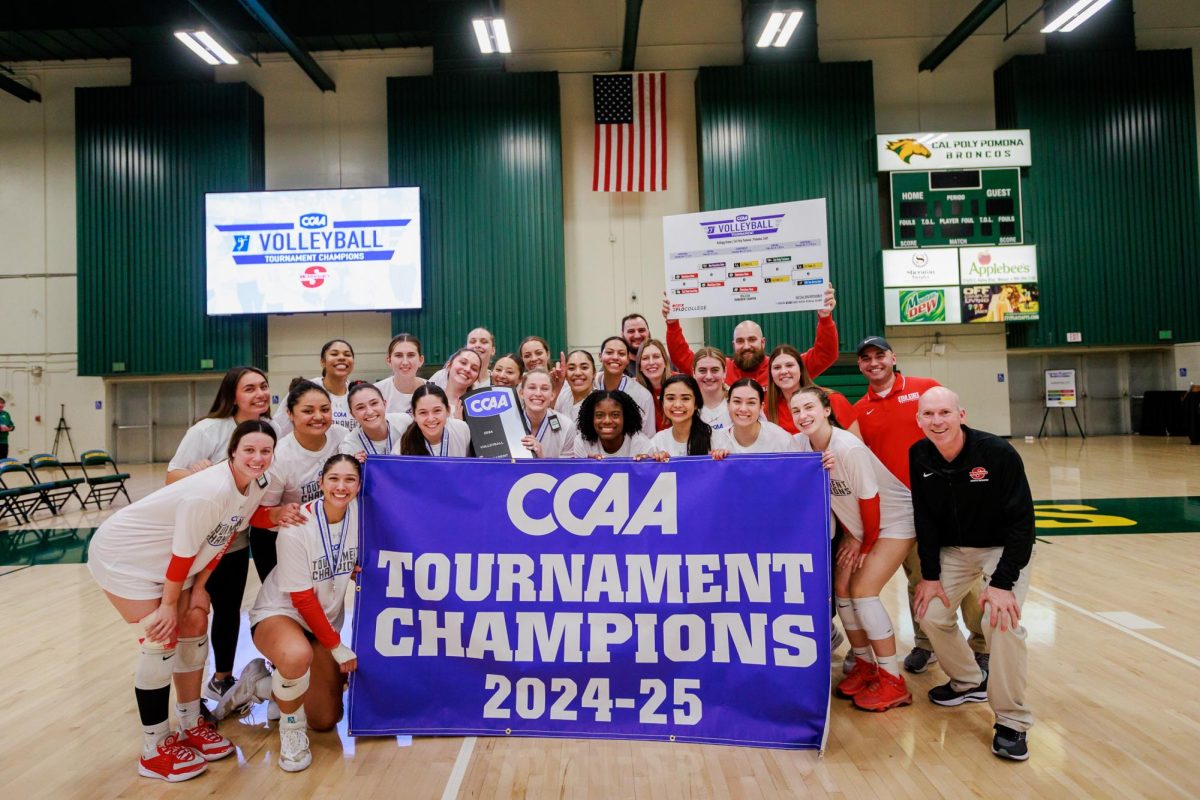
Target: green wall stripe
[(486, 152), (145, 156), (1112, 199), (772, 133)]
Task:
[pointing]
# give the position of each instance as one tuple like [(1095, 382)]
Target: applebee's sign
[(998, 264)]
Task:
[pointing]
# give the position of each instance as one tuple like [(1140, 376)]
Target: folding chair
[(102, 485), (30, 494), (46, 469), (9, 506)]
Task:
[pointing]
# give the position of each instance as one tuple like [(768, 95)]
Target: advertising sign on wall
[(934, 305), (903, 152)]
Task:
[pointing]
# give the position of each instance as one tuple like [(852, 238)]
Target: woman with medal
[(461, 373), (688, 434), (298, 615), (434, 432), (405, 359), (614, 358), (579, 369), (378, 431), (610, 426), (653, 368), (875, 510), (751, 433), (337, 362), (550, 436), (708, 368), (153, 559), (296, 472)]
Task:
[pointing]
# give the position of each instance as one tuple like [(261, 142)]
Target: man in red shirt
[(887, 420), (750, 347)]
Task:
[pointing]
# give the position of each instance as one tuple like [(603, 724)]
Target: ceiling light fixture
[(779, 28), (492, 35), (1075, 15), (206, 47)]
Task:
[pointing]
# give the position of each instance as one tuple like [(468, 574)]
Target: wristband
[(342, 654)]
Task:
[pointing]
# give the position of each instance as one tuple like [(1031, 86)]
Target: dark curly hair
[(630, 413)]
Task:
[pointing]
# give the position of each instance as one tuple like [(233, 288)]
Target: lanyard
[(369, 445), (541, 431), (444, 447), (332, 551)]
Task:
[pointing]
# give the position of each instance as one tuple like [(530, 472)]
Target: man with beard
[(635, 330), (750, 346)]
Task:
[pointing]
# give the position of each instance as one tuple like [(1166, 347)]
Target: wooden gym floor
[(1113, 649)]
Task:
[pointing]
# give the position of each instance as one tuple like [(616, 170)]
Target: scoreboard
[(956, 207)]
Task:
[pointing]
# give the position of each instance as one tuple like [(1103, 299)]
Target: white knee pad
[(873, 618), (289, 688), (845, 612), (193, 652), (154, 667)]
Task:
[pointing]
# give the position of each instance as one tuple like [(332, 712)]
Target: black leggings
[(262, 545), (226, 586)]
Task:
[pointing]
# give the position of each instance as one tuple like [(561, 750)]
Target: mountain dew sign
[(935, 305)]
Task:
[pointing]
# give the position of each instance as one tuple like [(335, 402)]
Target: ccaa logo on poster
[(608, 505), (488, 404)]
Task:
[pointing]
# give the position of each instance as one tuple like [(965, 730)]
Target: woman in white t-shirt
[(459, 377), (751, 433), (687, 434), (579, 370), (875, 509), (297, 618), (296, 472), (243, 395), (708, 368), (337, 362), (153, 559), (405, 359), (610, 426), (378, 431), (614, 358), (550, 435), (433, 432)]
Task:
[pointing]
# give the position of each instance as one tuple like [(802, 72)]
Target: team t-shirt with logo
[(296, 471), (888, 424), (636, 445), (316, 555), (664, 441), (359, 442), (771, 439), (339, 407), (717, 417), (566, 405), (194, 517), (456, 440), (556, 434), (398, 402)]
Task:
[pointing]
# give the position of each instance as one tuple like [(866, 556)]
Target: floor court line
[(454, 782), (1184, 657)]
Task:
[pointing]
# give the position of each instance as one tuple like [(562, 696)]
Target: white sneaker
[(294, 754), (243, 693), (273, 712)]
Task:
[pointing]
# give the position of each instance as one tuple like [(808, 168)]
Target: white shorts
[(130, 587), (888, 535)]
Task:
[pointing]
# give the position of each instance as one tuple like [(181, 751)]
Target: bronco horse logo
[(905, 149)]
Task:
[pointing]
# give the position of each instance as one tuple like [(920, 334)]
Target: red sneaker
[(205, 740), (173, 762), (860, 676), (887, 691)]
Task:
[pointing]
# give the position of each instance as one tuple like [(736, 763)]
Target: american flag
[(630, 151)]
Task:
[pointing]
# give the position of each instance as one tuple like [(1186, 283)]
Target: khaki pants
[(970, 607), (964, 569)]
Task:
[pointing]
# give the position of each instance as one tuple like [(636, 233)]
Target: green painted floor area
[(1054, 518)]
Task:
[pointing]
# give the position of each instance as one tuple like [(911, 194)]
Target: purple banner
[(687, 600)]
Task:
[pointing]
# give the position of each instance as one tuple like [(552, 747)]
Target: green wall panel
[(144, 157), (771, 133), (486, 152), (1112, 199)]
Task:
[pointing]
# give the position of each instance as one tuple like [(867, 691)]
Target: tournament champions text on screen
[(607, 599), (313, 250)]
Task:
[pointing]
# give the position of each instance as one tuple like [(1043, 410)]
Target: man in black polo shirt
[(974, 519)]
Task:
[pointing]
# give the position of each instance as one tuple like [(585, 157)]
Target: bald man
[(975, 528), (749, 358)]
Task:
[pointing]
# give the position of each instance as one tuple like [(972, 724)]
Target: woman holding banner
[(580, 372), (298, 613), (688, 434), (875, 509), (708, 368), (751, 433), (378, 431), (550, 436), (610, 426), (405, 359), (614, 358), (337, 362), (433, 432)]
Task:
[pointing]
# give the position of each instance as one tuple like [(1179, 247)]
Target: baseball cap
[(873, 341)]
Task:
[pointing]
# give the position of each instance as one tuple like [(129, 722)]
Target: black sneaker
[(947, 695), (919, 659), (216, 687), (1008, 743), (983, 660)]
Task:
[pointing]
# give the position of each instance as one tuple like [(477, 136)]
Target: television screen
[(313, 250)]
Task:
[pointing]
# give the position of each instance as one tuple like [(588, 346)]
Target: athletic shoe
[(1008, 743), (984, 661), (216, 687), (947, 695), (848, 663), (244, 691), (859, 678), (887, 691), (205, 740), (919, 659), (173, 762), (835, 638), (207, 715), (294, 754)]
